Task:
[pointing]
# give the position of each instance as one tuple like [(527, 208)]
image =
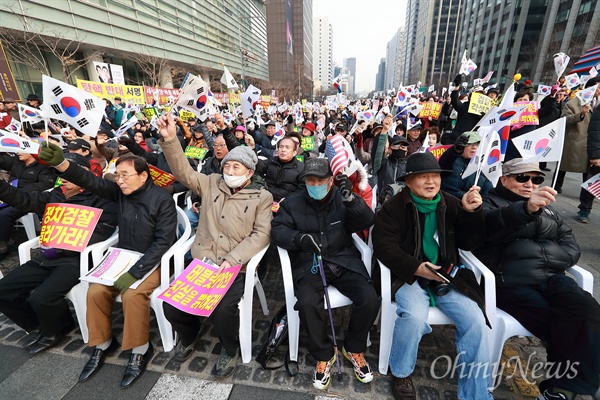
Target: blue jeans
[(473, 364)]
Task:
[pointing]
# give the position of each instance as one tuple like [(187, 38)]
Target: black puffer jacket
[(521, 248), (593, 139), (36, 202), (465, 121), (147, 217), (282, 178), (391, 169), (33, 177), (331, 224)]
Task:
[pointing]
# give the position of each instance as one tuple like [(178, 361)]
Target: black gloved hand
[(459, 79), (290, 119), (461, 142), (155, 134), (308, 244), (345, 187)]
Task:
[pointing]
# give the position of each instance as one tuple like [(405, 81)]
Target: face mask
[(233, 181), (317, 192), (398, 153)]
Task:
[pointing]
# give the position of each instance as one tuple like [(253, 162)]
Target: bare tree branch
[(151, 66)]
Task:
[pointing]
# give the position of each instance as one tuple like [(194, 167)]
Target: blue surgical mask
[(317, 192)]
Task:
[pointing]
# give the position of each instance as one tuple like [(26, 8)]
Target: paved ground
[(53, 375)]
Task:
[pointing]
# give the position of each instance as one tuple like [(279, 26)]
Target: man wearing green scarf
[(416, 232)]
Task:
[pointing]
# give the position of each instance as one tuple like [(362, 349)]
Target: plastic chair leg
[(261, 295)]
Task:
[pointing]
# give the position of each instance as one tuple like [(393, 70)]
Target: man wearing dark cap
[(322, 218), (529, 247), (417, 234), (394, 165), (84, 148), (32, 294), (33, 100), (457, 159)]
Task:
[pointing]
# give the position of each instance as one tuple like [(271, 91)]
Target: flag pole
[(481, 155)]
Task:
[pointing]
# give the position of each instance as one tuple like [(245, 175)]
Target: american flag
[(592, 185), (336, 154)]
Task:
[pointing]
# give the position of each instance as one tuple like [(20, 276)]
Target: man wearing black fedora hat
[(417, 235)]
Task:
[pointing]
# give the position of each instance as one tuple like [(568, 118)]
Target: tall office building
[(394, 59), (500, 36), (414, 17), (289, 32), (322, 51), (569, 26), (435, 59), (380, 77), (350, 66), (162, 29)]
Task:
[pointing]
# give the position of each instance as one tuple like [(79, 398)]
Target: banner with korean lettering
[(184, 115), (437, 151), (480, 104), (165, 95), (68, 226), (198, 290), (195, 152), (160, 177), (8, 85), (128, 93), (529, 116), (430, 109)]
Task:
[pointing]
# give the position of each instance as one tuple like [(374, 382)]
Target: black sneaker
[(225, 364), (548, 395)]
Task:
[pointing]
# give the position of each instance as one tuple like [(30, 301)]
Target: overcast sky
[(361, 29)]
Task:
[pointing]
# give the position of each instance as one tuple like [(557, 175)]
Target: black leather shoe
[(136, 366), (96, 361), (46, 342), (403, 388), (31, 338)]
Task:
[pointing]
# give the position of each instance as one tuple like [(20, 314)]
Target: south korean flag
[(74, 106)]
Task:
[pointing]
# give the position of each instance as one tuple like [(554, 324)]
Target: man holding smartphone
[(416, 233)]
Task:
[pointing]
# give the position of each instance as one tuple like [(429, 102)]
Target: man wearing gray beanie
[(235, 224)]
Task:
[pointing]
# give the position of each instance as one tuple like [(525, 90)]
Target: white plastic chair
[(31, 224), (166, 276), (245, 304), (78, 293), (506, 326), (335, 297), (436, 316)]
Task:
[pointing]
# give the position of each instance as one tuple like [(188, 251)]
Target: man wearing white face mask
[(327, 215), (235, 224)]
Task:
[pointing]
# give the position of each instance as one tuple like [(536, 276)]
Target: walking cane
[(322, 271)]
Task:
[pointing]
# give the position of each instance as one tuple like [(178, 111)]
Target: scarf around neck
[(428, 208)]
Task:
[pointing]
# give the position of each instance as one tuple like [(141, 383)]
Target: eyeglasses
[(219, 145), (125, 177), (522, 178)]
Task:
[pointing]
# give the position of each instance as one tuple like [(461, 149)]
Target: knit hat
[(242, 154), (310, 126)]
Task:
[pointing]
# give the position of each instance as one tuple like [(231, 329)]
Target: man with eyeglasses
[(528, 246)]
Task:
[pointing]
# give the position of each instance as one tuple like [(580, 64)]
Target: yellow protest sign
[(430, 109), (480, 104), (127, 93), (184, 115), (195, 152)]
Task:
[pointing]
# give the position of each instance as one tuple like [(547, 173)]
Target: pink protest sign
[(68, 226), (529, 116), (198, 290)]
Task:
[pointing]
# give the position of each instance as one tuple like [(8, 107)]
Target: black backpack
[(278, 333)]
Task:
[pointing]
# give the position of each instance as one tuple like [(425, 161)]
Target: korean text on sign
[(160, 177), (430, 109), (198, 290), (68, 226), (480, 104), (530, 115), (195, 152)]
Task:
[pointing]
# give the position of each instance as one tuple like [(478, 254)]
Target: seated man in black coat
[(33, 294), (326, 216), (528, 246)]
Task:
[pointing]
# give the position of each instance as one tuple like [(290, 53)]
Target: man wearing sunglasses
[(528, 246)]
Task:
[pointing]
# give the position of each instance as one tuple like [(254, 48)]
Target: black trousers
[(226, 318), (33, 294), (568, 319), (8, 216), (586, 199), (365, 306)]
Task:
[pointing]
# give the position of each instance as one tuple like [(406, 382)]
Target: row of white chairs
[(504, 326)]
